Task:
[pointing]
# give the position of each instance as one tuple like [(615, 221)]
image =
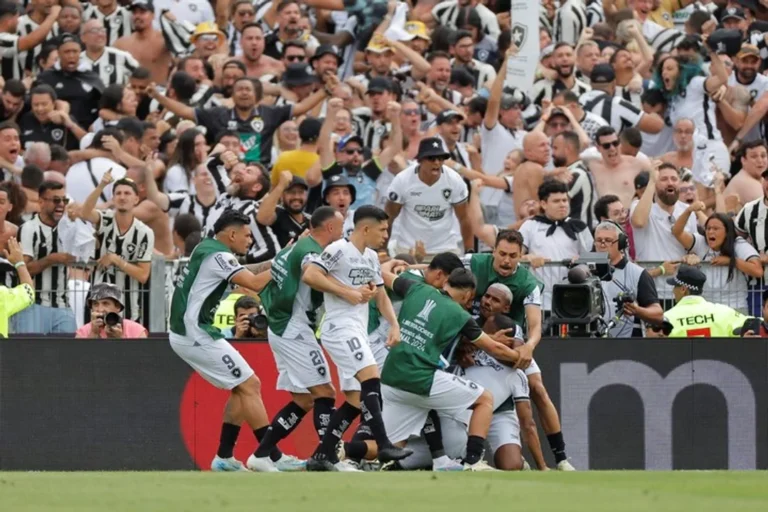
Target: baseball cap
[(431, 147), (145, 5), (348, 139), (326, 49), (380, 84), (9, 7), (376, 46), (416, 29), (688, 277), (733, 13), (602, 74), (447, 115), (748, 50), (309, 129), (298, 182), (65, 38), (508, 101)]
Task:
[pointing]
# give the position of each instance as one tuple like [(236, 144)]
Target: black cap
[(9, 7), (296, 75), (145, 5), (733, 12), (447, 115), (309, 129), (380, 84), (338, 180), (65, 38), (557, 112), (347, 139), (688, 277), (297, 182), (641, 180), (326, 49), (430, 147), (602, 74), (725, 41)]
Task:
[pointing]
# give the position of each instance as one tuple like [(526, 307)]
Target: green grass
[(391, 492)]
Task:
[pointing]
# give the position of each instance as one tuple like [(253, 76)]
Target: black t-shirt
[(83, 97), (33, 130), (255, 132), (286, 228)]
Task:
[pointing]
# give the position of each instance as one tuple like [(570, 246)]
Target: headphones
[(623, 241)]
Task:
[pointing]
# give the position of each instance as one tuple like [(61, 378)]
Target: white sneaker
[(564, 465), (226, 465), (446, 464), (261, 464), (289, 463), (347, 466), (481, 465), (526, 466)]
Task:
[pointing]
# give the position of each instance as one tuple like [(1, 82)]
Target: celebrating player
[(348, 272)]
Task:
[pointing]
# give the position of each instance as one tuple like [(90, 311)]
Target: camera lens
[(112, 319), (258, 321)]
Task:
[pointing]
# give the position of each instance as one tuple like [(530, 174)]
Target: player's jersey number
[(704, 332)]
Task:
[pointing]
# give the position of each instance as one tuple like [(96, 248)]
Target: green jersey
[(286, 297), (200, 288), (522, 283), (430, 321), (374, 315)]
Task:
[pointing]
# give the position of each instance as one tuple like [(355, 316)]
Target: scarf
[(571, 227)]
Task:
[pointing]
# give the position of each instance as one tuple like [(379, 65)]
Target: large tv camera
[(580, 303)]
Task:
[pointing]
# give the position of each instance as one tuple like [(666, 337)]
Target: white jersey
[(501, 380), (345, 263), (427, 210), (697, 106), (756, 89)]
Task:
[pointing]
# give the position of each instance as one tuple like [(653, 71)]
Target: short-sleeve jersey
[(501, 380), (345, 263), (697, 106), (200, 289)]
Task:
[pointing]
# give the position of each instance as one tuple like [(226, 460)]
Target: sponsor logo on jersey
[(447, 193), (257, 124), (57, 134), (429, 212), (226, 261), (361, 276), (393, 196), (426, 310), (231, 125)]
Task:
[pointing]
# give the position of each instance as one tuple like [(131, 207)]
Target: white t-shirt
[(697, 106), (496, 144), (501, 380), (176, 181), (192, 11), (427, 210), (83, 177), (345, 263)]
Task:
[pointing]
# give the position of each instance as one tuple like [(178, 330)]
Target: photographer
[(106, 316), (250, 321), (630, 287)]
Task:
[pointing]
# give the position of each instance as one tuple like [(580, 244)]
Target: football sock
[(227, 440), (370, 394), (475, 445), (323, 410), (283, 424), (433, 435), (557, 444), (275, 454), (339, 423)]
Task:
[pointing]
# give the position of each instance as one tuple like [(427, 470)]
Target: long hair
[(687, 71), (185, 153), (18, 199), (729, 244)]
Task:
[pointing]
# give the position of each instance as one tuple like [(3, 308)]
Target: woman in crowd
[(286, 138), (116, 102), (191, 151)]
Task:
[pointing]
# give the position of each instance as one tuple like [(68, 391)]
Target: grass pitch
[(386, 492)]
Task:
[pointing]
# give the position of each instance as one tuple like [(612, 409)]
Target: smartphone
[(751, 324)]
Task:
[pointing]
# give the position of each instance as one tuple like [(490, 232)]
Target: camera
[(257, 321), (624, 298), (579, 304), (111, 319)]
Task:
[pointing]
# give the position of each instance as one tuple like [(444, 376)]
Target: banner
[(69, 404), (521, 69)]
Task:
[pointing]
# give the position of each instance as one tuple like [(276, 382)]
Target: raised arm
[(324, 142), (161, 199), (256, 282), (494, 100), (267, 214), (678, 230), (178, 108), (642, 211), (87, 211), (395, 146), (37, 36)]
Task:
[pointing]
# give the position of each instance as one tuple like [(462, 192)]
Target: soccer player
[(291, 306), (349, 274), (412, 381), (212, 268)]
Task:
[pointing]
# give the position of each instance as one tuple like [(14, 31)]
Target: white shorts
[(378, 342), (350, 352), (505, 429), (299, 358), (405, 413), (533, 368), (454, 443), (215, 360)]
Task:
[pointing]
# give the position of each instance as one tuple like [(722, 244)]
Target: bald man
[(150, 214), (55, 176), (530, 174)]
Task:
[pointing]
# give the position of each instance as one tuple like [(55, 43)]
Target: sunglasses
[(605, 241), (558, 125), (436, 158), (59, 200), (353, 151), (209, 38), (609, 145), (295, 58), (411, 112)]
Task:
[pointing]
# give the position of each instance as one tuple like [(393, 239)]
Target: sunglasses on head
[(609, 145), (295, 58), (352, 151)]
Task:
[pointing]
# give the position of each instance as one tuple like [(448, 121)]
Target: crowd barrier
[(69, 404)]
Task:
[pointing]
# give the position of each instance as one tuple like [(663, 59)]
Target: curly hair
[(687, 71)]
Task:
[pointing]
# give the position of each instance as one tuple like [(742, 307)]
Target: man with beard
[(439, 77), (348, 159), (288, 220), (147, 44), (288, 29), (463, 52), (614, 173), (564, 64), (12, 100), (257, 64), (747, 183), (746, 72), (232, 71), (47, 265), (652, 218), (581, 186)]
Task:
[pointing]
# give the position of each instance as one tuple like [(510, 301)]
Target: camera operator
[(631, 287), (250, 321), (107, 320)]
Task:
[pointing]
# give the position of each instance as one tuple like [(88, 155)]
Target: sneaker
[(348, 466), (314, 464), (564, 465), (289, 463), (526, 466), (481, 465), (231, 464), (370, 465), (451, 465), (261, 464), (392, 452)]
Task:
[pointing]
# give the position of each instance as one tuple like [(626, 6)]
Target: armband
[(661, 269), (18, 265)]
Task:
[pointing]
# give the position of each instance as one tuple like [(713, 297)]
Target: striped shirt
[(118, 24), (9, 51), (595, 13), (265, 244), (113, 66), (547, 89), (582, 193), (233, 41), (371, 130), (180, 203), (481, 72), (446, 13), (619, 112), (39, 240), (134, 246), (570, 21), (751, 221), (27, 59)]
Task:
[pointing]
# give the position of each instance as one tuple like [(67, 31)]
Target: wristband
[(19, 264), (661, 269)]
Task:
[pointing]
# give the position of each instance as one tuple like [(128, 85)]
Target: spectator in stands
[(39, 154), (245, 309), (287, 219), (17, 297), (12, 100), (191, 151), (298, 161), (184, 225), (60, 161), (107, 319), (31, 179)]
